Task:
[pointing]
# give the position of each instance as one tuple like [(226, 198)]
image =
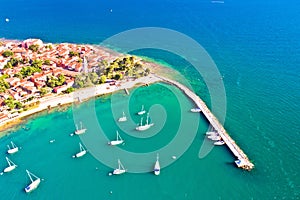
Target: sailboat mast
[(147, 121), (29, 175), (118, 135), (8, 161)]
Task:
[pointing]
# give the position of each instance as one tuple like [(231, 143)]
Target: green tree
[(69, 90), (61, 80), (47, 62), (29, 70), (14, 61), (18, 105), (34, 47), (73, 53), (118, 76), (8, 65), (102, 79), (147, 71), (3, 85), (37, 63), (7, 53), (10, 103), (18, 75), (93, 77), (43, 91), (78, 83)]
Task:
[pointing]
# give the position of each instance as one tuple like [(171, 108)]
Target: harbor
[(242, 159)]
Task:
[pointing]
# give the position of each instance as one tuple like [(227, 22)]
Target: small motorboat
[(219, 142), (195, 110)]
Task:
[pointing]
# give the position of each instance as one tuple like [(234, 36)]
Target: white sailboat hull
[(10, 168), (119, 171), (33, 185), (156, 168), (218, 143), (144, 127), (211, 133), (116, 142), (141, 112), (122, 119), (14, 150), (214, 138), (81, 131), (80, 154), (195, 110)]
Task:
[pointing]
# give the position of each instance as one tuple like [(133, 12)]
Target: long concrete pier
[(243, 161)]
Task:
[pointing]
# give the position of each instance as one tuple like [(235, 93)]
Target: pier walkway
[(243, 160)]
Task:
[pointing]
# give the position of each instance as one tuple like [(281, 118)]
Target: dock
[(126, 91), (243, 161)]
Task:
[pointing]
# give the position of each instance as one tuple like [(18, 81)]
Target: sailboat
[(12, 149), (142, 127), (116, 142), (123, 118), (81, 130), (34, 183), (156, 169), (143, 111), (120, 169), (11, 165), (81, 153)]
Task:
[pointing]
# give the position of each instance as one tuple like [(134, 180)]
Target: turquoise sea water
[(256, 47)]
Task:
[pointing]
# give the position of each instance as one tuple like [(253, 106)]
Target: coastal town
[(37, 76), (31, 71)]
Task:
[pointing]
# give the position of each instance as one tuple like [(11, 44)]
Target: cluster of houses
[(60, 61)]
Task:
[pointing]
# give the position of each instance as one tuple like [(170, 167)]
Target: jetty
[(243, 161), (126, 91)]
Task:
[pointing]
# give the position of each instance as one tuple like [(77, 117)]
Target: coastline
[(79, 95), (86, 93)]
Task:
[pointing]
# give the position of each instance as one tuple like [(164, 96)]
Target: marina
[(242, 159)]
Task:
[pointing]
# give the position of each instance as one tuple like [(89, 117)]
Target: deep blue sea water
[(256, 47)]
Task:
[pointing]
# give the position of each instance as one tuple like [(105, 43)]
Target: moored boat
[(123, 118), (81, 130), (119, 140), (211, 133), (144, 127), (219, 142), (82, 151), (143, 111), (156, 169), (12, 149), (120, 169), (11, 165), (195, 110), (214, 137), (34, 183)]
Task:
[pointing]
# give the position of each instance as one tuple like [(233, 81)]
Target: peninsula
[(36, 76)]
